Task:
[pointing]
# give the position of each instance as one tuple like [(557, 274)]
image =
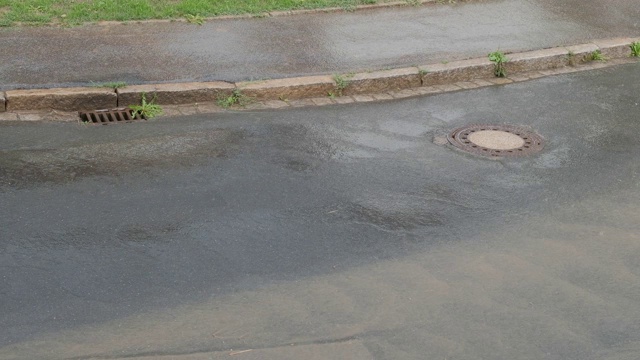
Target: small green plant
[(111, 84), (571, 58), (341, 83), (147, 110), (194, 19), (498, 59), (635, 49), (236, 98), (422, 73), (596, 56), (414, 2)]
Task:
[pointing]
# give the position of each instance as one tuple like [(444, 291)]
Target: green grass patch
[(72, 12), (499, 59), (146, 109), (596, 56), (236, 98), (635, 49)]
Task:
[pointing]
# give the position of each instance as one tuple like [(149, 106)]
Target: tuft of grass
[(236, 98), (110, 84), (498, 59), (571, 58), (422, 73), (341, 83), (635, 49), (596, 56), (194, 19), (146, 110)]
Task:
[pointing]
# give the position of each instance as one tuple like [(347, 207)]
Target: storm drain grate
[(110, 116), (496, 140)]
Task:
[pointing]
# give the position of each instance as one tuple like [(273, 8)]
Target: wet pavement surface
[(335, 232), (252, 49)]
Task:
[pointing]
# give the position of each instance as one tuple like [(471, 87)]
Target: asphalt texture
[(346, 231), (251, 49)]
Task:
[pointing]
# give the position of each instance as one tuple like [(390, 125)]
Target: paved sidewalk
[(287, 46)]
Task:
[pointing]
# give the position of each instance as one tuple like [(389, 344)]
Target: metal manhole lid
[(496, 140)]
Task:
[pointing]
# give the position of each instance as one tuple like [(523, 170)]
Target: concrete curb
[(65, 99), (172, 94), (314, 88)]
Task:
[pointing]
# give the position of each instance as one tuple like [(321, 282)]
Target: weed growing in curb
[(236, 98), (341, 83), (635, 49), (147, 110), (596, 56), (498, 59), (194, 19), (414, 2), (422, 73), (111, 84), (571, 57)]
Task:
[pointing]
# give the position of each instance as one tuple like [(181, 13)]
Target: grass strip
[(75, 12)]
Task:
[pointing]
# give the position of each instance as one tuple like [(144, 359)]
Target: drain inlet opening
[(110, 116)]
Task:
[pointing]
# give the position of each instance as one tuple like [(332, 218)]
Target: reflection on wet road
[(339, 232)]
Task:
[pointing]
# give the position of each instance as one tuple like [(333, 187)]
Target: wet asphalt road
[(340, 232), (250, 49)]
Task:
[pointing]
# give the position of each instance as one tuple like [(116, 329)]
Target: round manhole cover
[(496, 140)]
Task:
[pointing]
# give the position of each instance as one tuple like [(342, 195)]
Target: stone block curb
[(615, 48), (381, 81), (175, 94), (69, 99), (580, 53), (537, 60), (358, 87), (288, 88), (455, 71), (212, 107)]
